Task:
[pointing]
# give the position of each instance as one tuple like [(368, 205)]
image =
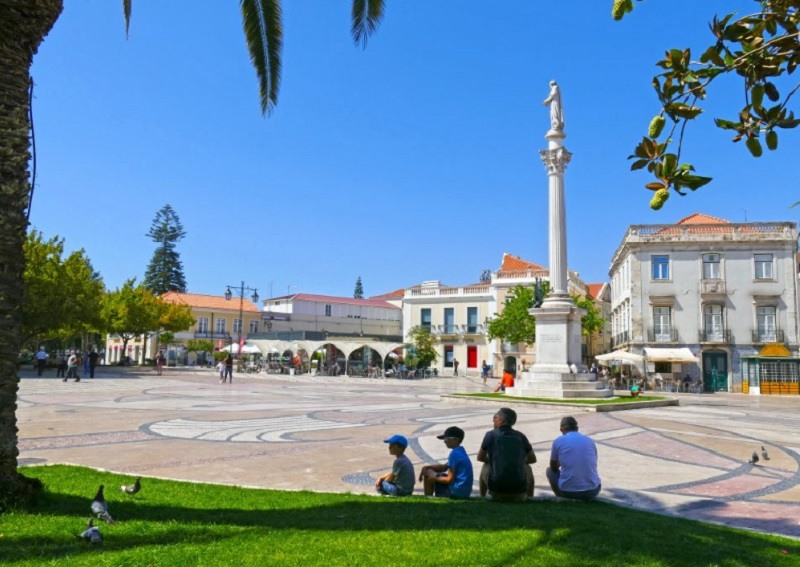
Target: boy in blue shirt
[(453, 480)]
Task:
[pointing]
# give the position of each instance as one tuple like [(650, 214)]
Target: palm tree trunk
[(23, 26)]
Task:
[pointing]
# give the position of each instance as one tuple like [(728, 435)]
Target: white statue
[(556, 112)]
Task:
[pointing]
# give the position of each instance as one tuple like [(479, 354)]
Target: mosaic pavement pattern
[(326, 434)]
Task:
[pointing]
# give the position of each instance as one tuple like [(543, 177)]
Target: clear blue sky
[(414, 159)]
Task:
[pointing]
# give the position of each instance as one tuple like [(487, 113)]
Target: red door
[(472, 357)]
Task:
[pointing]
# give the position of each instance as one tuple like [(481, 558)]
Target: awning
[(620, 355), (683, 355)]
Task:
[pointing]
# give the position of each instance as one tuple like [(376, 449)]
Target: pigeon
[(754, 459), (100, 507), (92, 533), (764, 454), (132, 488)]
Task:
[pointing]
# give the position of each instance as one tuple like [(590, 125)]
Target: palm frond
[(126, 10), (263, 31), (366, 17)]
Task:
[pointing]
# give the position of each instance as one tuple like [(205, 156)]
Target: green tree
[(592, 321), (131, 311), (199, 345), (62, 295), (762, 49), (424, 344), (358, 293), (515, 324), (165, 271)]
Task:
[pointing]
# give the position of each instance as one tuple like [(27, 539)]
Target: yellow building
[(217, 320)]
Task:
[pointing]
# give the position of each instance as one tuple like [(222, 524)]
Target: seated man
[(573, 464), (507, 456), (453, 480), (507, 381)]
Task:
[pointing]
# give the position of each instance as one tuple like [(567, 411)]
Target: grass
[(174, 523), (589, 402)]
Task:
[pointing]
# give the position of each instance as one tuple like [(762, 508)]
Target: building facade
[(721, 290)]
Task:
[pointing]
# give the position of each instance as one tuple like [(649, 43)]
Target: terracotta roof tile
[(219, 302), (595, 289), (701, 218), (513, 263)]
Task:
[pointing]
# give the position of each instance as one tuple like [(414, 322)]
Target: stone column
[(555, 159)]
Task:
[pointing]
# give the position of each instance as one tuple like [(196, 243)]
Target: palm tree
[(23, 26)]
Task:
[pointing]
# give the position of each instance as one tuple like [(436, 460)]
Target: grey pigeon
[(132, 488), (764, 454), (92, 533), (754, 459), (100, 507)]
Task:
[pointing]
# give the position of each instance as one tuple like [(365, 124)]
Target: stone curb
[(600, 408)]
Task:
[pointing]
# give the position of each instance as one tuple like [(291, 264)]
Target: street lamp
[(254, 297)]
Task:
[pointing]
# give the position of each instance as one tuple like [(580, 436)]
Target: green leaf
[(757, 95), (772, 140), (639, 164), (754, 146), (771, 91)]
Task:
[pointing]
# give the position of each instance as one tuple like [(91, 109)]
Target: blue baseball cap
[(399, 439)]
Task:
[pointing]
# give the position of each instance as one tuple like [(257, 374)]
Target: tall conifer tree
[(358, 293), (165, 271)]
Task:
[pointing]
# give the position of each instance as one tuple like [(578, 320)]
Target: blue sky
[(414, 159)]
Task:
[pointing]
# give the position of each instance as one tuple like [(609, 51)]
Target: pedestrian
[(455, 367), (72, 366), (228, 368), (221, 370), (41, 360), (160, 359), (85, 363), (93, 358), (61, 365), (484, 372)]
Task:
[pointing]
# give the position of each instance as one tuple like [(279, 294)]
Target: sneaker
[(77, 379)]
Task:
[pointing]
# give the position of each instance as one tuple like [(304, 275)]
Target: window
[(767, 328), (237, 325), (660, 267), (449, 320), (663, 367), (763, 266), (472, 321), (711, 267), (662, 326), (327, 311), (219, 326), (712, 319), (448, 356), (425, 318), (253, 326), (202, 324)]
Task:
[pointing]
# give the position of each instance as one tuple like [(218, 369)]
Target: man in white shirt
[(573, 464)]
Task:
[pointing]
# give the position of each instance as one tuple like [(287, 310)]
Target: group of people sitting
[(506, 473)]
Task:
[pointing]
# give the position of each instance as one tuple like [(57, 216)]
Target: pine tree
[(165, 271), (359, 291)]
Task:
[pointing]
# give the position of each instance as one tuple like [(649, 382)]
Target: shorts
[(390, 489), (554, 476), (486, 471)]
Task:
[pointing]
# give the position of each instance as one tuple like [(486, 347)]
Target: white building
[(719, 289)]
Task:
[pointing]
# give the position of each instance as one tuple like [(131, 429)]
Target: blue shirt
[(461, 486), (577, 455)]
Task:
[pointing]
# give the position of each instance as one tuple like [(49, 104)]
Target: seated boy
[(453, 480), (400, 481)]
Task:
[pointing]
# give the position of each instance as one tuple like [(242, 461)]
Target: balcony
[(768, 336), (662, 335), (619, 339), (472, 329), (712, 287), (209, 335), (720, 336)]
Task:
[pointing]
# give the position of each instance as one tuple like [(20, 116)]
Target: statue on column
[(556, 111)]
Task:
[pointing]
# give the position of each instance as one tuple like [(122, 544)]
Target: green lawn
[(591, 402), (183, 524)]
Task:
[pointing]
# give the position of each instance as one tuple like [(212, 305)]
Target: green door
[(715, 371)]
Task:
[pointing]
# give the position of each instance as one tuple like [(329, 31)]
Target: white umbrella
[(246, 349)]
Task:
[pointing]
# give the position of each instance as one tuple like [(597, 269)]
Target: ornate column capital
[(556, 159)]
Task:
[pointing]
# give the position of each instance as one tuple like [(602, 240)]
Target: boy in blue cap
[(400, 481), (453, 480)]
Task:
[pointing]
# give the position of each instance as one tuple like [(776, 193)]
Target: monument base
[(544, 384)]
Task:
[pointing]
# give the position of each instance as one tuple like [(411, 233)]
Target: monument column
[(558, 320)]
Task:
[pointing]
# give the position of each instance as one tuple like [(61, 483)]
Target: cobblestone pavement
[(326, 434)]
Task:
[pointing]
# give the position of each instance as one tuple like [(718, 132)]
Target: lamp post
[(254, 297)]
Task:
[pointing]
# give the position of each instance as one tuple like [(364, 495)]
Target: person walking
[(484, 371), (61, 365), (228, 368), (455, 367), (41, 360), (93, 358), (72, 366)]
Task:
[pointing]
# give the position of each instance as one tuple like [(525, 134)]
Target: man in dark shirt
[(507, 456)]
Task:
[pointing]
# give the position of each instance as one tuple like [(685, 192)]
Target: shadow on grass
[(593, 533)]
